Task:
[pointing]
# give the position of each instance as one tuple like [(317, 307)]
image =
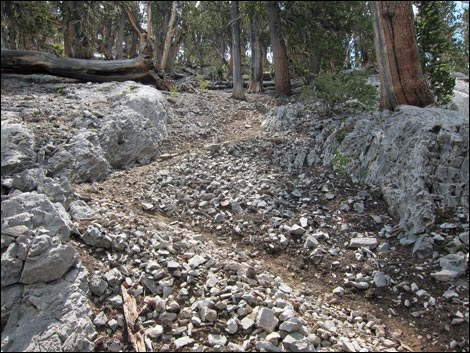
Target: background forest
[(320, 37)]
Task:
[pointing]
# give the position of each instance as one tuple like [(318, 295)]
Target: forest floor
[(226, 156)]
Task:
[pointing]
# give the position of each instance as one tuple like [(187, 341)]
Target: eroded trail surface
[(225, 248)]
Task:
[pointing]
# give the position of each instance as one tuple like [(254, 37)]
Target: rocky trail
[(236, 238)]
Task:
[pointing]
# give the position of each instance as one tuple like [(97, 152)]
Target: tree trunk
[(256, 74), (169, 36), (133, 50), (281, 67), (107, 40), (139, 69), (76, 44), (175, 48), (237, 69), (401, 77), (145, 44), (120, 36)]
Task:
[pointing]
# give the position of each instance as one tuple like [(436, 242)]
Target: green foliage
[(174, 91), (203, 84), (348, 89), (58, 49), (59, 91), (319, 35), (340, 163), (435, 44), (29, 24)]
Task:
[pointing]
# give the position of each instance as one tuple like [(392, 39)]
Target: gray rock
[(208, 314), (291, 325), (297, 230), (182, 342), (154, 332), (360, 242), (51, 216), (80, 160), (359, 207), (137, 126), (114, 277), (29, 179), (379, 279), (57, 190), (296, 342), (101, 319), (49, 263), (266, 320), (445, 275), (17, 149), (265, 346), (423, 247), (247, 323), (98, 285), (219, 218), (454, 262), (232, 326), (97, 238), (217, 340), (311, 242), (80, 210), (11, 266), (339, 291), (450, 294), (429, 142), (464, 237), (46, 319)]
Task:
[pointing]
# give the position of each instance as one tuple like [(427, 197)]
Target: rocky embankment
[(241, 226)]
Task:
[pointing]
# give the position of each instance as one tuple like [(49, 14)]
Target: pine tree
[(435, 44)]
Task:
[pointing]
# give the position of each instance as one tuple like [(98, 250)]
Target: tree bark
[(281, 67), (145, 44), (256, 74), (139, 69), (175, 48), (120, 37), (169, 36), (401, 77), (237, 69), (76, 44)]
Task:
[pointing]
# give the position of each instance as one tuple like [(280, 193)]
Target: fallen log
[(139, 69)]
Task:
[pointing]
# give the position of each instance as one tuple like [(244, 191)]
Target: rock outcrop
[(419, 158), (44, 287)]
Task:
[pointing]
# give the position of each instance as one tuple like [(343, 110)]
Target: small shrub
[(341, 134), (174, 91), (203, 84), (59, 91), (340, 162), (345, 89)]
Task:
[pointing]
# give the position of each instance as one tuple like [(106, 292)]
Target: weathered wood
[(139, 69), (131, 315)]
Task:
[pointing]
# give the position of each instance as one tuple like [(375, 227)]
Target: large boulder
[(52, 317), (17, 153), (80, 160), (43, 213), (419, 157), (46, 260), (127, 130), (136, 127)]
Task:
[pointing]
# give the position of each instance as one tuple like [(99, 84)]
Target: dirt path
[(234, 126)]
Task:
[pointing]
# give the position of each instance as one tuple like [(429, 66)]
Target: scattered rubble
[(235, 239)]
